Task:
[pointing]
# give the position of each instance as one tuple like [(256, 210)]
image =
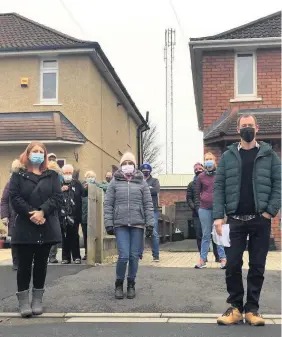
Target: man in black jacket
[(70, 216), (154, 186), (190, 197)]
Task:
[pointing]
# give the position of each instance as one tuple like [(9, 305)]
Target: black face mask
[(247, 134)]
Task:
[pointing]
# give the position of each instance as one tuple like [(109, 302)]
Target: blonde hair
[(209, 154), (90, 174)]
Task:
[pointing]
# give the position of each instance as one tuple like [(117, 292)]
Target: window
[(61, 162), (49, 81), (245, 75)]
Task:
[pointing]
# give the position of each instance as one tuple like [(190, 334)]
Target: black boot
[(119, 290), (130, 289)]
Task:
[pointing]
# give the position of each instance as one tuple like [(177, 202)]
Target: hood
[(17, 166), (137, 177)]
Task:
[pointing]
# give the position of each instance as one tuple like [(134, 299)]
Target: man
[(70, 216), (248, 188), (154, 186), (54, 249), (104, 184), (190, 198)]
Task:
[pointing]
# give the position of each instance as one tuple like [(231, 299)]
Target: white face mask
[(127, 169), (67, 178)]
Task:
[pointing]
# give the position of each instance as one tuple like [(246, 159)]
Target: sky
[(131, 33)]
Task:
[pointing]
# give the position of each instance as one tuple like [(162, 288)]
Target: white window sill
[(246, 99), (47, 103)]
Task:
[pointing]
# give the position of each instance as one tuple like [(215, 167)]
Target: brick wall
[(218, 83), (169, 197)]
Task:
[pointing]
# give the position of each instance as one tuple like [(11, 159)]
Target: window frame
[(46, 71), (254, 94)]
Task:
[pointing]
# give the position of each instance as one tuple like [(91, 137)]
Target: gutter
[(233, 43)]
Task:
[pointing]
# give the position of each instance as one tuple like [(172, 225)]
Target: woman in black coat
[(36, 198)]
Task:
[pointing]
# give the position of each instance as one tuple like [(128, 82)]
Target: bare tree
[(151, 148)]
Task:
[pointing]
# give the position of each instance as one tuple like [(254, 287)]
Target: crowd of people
[(43, 205)]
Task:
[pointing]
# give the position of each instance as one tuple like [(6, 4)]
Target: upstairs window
[(245, 75), (49, 81)]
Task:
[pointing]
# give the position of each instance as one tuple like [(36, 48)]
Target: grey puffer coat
[(128, 202)]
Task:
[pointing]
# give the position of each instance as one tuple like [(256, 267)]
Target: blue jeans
[(206, 219), (129, 244), (155, 237)]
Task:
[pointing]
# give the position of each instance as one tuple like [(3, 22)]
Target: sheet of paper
[(224, 239)]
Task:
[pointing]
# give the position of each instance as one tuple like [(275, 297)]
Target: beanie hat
[(146, 166), (128, 156)]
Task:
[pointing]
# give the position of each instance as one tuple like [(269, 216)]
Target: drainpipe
[(141, 128)]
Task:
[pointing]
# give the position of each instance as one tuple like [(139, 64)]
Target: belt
[(243, 217)]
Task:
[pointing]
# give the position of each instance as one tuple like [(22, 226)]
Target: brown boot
[(254, 319), (231, 316)]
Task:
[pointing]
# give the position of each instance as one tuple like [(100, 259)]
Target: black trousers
[(27, 254), (14, 255), (84, 232), (70, 243), (258, 230), (199, 234)]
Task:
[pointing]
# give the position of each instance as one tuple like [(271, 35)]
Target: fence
[(99, 244)]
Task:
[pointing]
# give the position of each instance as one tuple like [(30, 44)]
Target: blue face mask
[(37, 158), (209, 164), (90, 180)]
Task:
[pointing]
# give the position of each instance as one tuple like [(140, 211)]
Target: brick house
[(235, 72), (65, 93), (173, 188)]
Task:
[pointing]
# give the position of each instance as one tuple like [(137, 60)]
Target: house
[(237, 72), (173, 188), (64, 92)]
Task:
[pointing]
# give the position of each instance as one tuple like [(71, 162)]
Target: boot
[(130, 289), (24, 306), (119, 289), (36, 303)]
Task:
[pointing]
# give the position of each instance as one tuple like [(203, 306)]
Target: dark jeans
[(27, 254), (129, 244), (70, 243), (14, 255), (84, 232), (258, 230), (53, 252), (199, 235)]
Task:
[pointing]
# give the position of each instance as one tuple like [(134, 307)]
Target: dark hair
[(246, 116)]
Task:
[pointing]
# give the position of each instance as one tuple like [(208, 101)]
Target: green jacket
[(266, 182), (104, 185)]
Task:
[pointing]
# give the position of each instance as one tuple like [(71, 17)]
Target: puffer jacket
[(266, 182), (128, 202), (29, 192)]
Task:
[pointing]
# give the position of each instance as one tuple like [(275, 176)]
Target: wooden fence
[(99, 244)]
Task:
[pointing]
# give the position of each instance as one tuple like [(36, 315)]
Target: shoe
[(53, 260), (119, 289), (217, 260), (65, 262), (231, 316), (223, 264), (77, 261), (156, 259), (24, 306), (201, 265), (36, 303), (84, 258), (130, 289), (254, 318)]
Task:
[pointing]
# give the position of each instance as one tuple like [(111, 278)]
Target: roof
[(42, 126), (268, 26), (175, 181), (20, 34), (269, 121)]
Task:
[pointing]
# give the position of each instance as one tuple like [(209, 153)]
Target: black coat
[(29, 192), (191, 197)]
